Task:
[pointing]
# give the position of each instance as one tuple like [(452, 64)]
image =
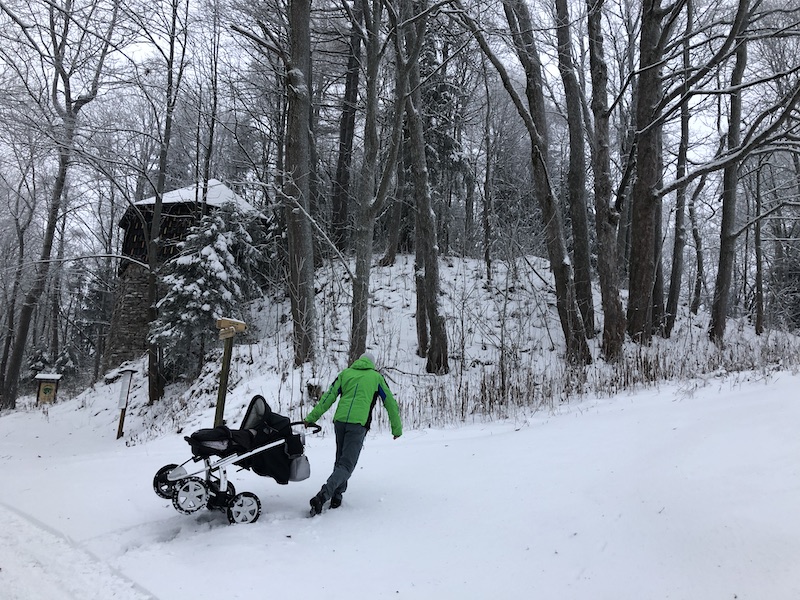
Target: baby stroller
[(265, 444)]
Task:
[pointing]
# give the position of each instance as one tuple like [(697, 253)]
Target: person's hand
[(307, 424), (394, 437)]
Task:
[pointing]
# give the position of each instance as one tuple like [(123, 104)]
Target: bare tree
[(347, 126), (658, 103), (298, 179), (206, 154), (429, 309), (758, 324), (623, 115), (576, 173), (166, 36), (719, 306), (535, 119), (71, 44), (606, 218), (373, 188), (679, 244), (656, 25), (293, 158), (20, 210)]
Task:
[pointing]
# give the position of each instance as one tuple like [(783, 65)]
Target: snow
[(217, 194), (565, 490), (665, 493)]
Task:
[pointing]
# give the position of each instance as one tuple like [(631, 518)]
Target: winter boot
[(336, 501), (317, 502)]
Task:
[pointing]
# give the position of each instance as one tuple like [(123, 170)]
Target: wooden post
[(124, 390), (228, 328)]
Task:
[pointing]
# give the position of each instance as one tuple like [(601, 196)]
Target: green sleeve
[(325, 402), (393, 411)]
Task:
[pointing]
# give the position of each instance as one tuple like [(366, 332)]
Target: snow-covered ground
[(686, 491)]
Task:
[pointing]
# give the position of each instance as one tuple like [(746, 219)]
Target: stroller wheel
[(214, 487), (189, 495), (244, 508), (217, 499), (162, 486)]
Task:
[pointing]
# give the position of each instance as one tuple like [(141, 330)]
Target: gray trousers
[(349, 441)]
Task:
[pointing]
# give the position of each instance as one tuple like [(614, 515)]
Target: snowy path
[(673, 493), (32, 552)]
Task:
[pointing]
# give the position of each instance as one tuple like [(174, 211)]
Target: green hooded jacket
[(359, 387)]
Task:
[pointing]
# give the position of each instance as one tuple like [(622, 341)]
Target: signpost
[(48, 386), (124, 391), (228, 328)]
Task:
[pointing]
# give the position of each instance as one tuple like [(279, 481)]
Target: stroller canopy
[(260, 414)]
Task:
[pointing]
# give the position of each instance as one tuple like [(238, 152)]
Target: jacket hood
[(363, 363)]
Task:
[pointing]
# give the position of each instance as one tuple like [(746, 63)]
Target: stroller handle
[(314, 427)]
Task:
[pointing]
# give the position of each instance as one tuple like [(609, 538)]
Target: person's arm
[(325, 402), (392, 409)]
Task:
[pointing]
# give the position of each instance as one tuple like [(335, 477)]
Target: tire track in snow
[(37, 561)]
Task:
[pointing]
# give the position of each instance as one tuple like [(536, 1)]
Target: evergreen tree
[(212, 276)]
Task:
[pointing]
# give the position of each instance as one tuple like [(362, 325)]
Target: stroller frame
[(208, 486)]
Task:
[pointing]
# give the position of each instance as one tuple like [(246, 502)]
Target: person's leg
[(349, 441), (336, 497), (318, 501)]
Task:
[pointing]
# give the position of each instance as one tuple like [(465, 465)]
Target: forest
[(648, 150)]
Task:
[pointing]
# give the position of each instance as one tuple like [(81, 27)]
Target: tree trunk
[(606, 218), (486, 213), (364, 219), (43, 267), (347, 125), (657, 313), (208, 153), (155, 378), (699, 275), (759, 300), (426, 239), (10, 326), (421, 312), (297, 183), (369, 200), (576, 176), (469, 210), (518, 17), (395, 221), (623, 237), (627, 135), (644, 199), (676, 274), (359, 311), (21, 225), (730, 175), (55, 300)]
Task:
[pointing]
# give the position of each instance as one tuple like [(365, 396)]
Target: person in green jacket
[(358, 387)]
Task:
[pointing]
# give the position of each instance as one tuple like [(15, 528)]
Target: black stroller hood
[(259, 414)]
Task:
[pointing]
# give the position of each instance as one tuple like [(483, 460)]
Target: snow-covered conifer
[(212, 276)]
